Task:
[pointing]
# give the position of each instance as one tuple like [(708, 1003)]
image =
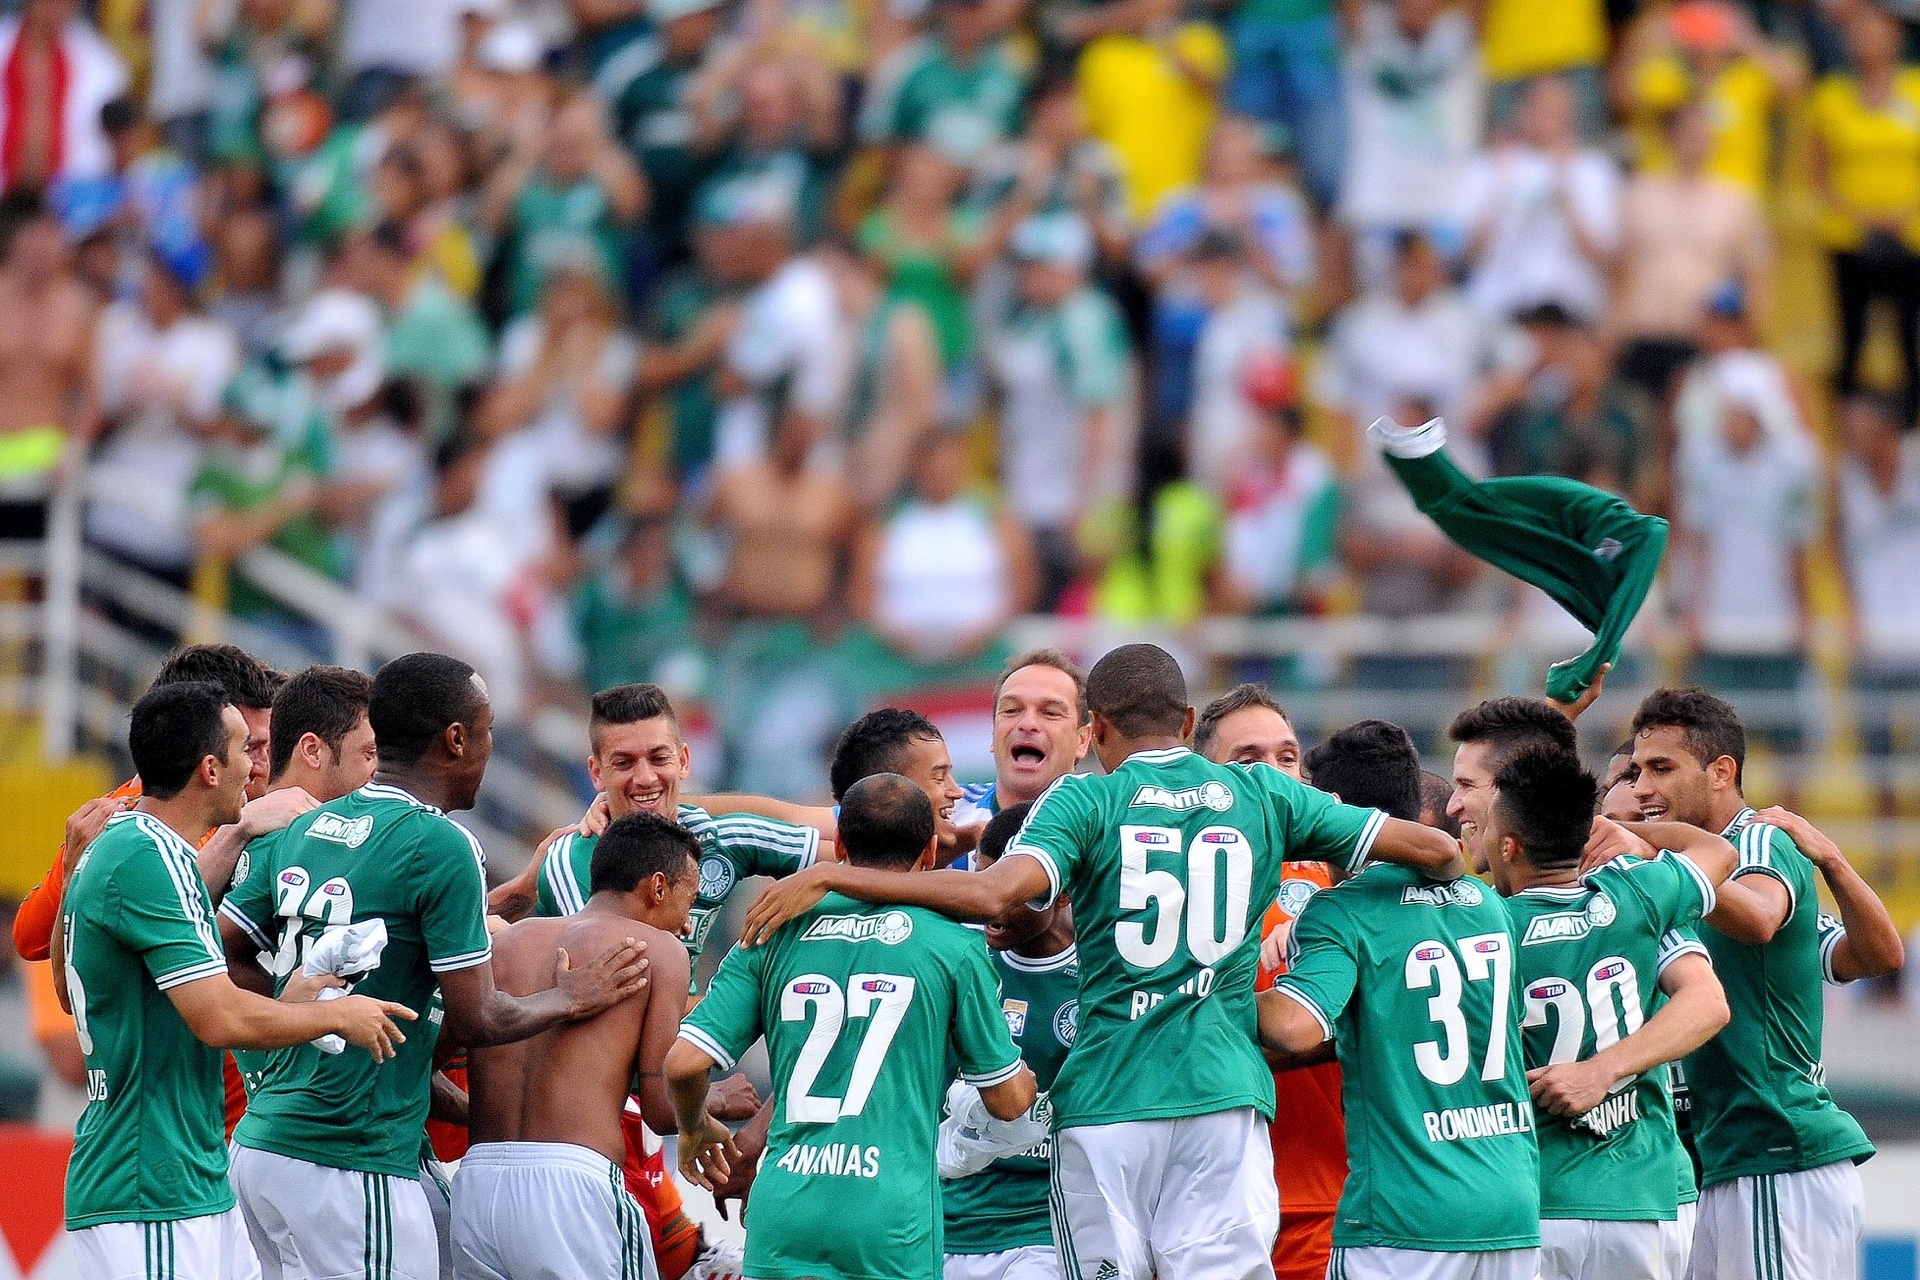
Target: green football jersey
[(1589, 958), (137, 921), (733, 846), (1004, 1206), (1760, 1100), (252, 1064), (375, 854), (864, 1009), (1415, 983), (1170, 861)]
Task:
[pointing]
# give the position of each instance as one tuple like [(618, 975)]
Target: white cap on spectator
[(332, 320), (511, 48), (1058, 239)]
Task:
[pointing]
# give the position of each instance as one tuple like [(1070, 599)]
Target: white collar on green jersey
[(1162, 755), (1740, 820), (1044, 964), (1554, 891), (381, 791)]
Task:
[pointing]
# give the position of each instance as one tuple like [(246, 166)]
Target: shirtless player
[(539, 1195)]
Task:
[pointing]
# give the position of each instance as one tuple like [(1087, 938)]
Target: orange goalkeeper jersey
[(1309, 1125)]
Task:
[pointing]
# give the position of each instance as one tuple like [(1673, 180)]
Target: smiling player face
[(1037, 734), (640, 766)]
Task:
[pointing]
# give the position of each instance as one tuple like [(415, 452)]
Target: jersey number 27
[(879, 998)]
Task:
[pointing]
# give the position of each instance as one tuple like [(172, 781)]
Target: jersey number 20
[(881, 998), (1215, 853)]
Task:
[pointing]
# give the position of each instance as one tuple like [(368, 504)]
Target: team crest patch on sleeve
[(1295, 894), (1601, 911), (1016, 1011), (1066, 1023), (242, 865), (351, 832), (717, 877), (889, 928), (1208, 795)]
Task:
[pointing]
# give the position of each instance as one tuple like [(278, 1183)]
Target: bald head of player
[(1137, 697), (886, 822), (433, 728)]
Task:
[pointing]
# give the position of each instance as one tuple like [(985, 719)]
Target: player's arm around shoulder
[(1865, 943), (1760, 896)]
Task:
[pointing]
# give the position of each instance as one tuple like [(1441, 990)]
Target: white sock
[(1409, 442)]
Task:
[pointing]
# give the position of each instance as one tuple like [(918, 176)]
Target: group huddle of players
[(1216, 1022)]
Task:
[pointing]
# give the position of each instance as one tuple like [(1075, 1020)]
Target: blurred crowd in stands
[(781, 351)]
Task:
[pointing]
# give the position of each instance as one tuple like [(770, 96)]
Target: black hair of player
[(248, 682), (1709, 725), (1435, 792), (414, 699), (1544, 799), (1239, 698), (175, 727), (1511, 725), (327, 702), (628, 704), (638, 846), (874, 744), (1372, 764), (1060, 662), (1000, 831), (1140, 690), (885, 821)]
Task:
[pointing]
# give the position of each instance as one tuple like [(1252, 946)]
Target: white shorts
[(1185, 1199), (546, 1211), (1782, 1226), (313, 1222), (211, 1247), (1676, 1240), (1380, 1263), (1595, 1249), (1028, 1262), (437, 1185)]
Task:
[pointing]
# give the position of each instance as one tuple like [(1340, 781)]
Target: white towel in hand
[(971, 1138), (348, 954)]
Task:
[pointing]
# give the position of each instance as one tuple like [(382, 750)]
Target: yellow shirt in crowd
[(1149, 111), (1521, 38), (1873, 155), (1739, 100)]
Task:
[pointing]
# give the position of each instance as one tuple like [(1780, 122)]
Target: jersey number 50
[(1210, 937)]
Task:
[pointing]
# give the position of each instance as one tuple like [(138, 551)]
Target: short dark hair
[(873, 744), (324, 701), (1372, 764), (637, 846), (629, 704), (247, 681), (1139, 689), (1511, 725), (1048, 657), (1435, 792), (414, 699), (1709, 725), (176, 726), (885, 821), (1001, 829), (1238, 698), (1544, 797)]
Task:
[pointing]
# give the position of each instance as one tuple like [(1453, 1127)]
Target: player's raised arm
[(1695, 1011), (1432, 853), (1870, 945), (977, 896)]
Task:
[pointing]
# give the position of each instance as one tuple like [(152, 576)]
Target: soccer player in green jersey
[(146, 981), (1614, 991), (1170, 860), (996, 1204), (1780, 1195), (1414, 982), (327, 1159), (1490, 735), (864, 1010)]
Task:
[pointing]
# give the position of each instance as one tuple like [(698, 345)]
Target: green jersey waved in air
[(1760, 1100), (864, 1010), (137, 922), (377, 853), (1004, 1206), (1415, 983), (1170, 861), (733, 846), (1589, 959)]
